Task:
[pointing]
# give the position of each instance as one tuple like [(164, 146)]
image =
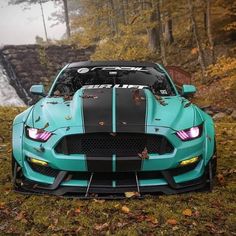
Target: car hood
[(114, 110)]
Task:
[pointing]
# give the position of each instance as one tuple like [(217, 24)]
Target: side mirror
[(188, 90), (37, 90)]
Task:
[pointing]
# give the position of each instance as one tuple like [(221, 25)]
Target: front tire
[(16, 173)]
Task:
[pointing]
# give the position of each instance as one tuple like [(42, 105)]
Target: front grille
[(106, 144)]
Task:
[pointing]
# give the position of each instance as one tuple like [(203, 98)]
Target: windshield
[(72, 79)]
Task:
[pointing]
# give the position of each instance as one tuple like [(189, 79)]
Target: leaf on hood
[(57, 93), (53, 103), (37, 120), (125, 209), (187, 212), (187, 104), (131, 194), (67, 97), (102, 123), (159, 98), (68, 117), (124, 123), (40, 149), (136, 96), (46, 126), (89, 96), (144, 155), (163, 103)]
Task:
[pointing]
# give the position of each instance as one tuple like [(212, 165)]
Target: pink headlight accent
[(194, 132), (189, 134), (38, 134)]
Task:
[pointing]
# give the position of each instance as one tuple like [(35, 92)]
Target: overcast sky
[(18, 26)]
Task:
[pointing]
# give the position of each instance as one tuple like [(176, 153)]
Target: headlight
[(38, 134), (189, 134)]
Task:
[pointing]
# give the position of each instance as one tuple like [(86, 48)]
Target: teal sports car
[(111, 127)]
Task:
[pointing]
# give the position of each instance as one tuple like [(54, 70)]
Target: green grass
[(212, 213)]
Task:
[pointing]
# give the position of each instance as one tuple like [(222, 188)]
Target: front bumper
[(159, 174), (110, 184)]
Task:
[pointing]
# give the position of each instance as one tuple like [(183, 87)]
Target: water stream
[(8, 95)]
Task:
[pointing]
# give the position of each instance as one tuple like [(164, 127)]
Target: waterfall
[(8, 95)]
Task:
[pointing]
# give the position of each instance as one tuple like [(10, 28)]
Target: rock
[(219, 116), (233, 114)]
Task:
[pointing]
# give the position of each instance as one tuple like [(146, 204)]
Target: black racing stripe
[(101, 180), (97, 110), (99, 164), (130, 110), (128, 164), (126, 179)]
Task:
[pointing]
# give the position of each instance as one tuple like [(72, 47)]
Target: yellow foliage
[(225, 66)]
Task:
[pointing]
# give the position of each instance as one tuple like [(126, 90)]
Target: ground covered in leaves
[(187, 214)]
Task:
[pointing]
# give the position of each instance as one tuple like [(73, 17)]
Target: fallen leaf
[(68, 117), (2, 205), (152, 219), (187, 104), (46, 126), (20, 216), (194, 51), (144, 155), (100, 227), (2, 139), (221, 179), (101, 123), (78, 211), (99, 201), (89, 96), (57, 93), (187, 212), (171, 222), (38, 119), (131, 194), (124, 123), (125, 209)]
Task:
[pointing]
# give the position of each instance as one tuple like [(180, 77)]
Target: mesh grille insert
[(106, 144)]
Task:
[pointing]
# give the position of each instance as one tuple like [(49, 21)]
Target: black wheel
[(212, 167), (16, 173)]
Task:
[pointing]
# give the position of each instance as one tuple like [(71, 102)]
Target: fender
[(18, 131)]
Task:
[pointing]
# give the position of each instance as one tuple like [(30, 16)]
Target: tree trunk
[(162, 43), (44, 23), (153, 34), (197, 40), (66, 13), (168, 34), (208, 29), (113, 18)]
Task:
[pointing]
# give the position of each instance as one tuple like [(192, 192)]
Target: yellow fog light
[(189, 161), (38, 162)]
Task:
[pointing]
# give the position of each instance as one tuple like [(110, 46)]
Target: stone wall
[(33, 64)]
